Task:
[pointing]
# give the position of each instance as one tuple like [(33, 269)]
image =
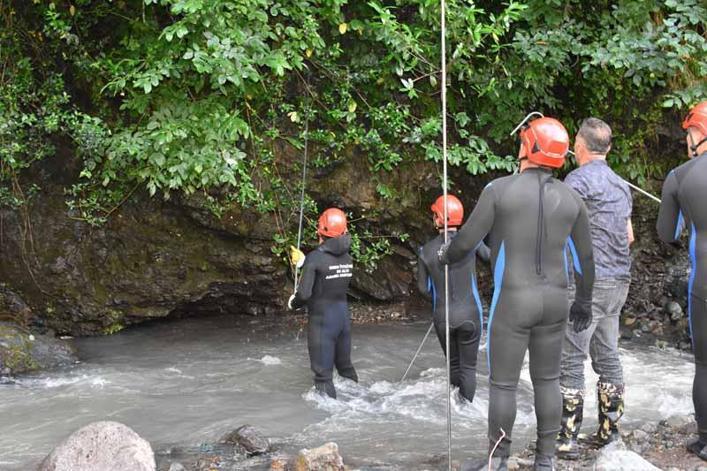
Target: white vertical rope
[(446, 224), (301, 200), (635, 187), (419, 349)]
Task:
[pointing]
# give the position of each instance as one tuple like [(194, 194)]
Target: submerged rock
[(101, 446), (205, 456), (249, 438), (616, 457), (323, 458), (22, 352)]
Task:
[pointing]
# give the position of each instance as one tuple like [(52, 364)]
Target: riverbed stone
[(616, 457), (101, 446), (649, 427), (674, 309), (323, 458), (639, 435), (279, 463), (677, 421), (22, 351), (249, 438)]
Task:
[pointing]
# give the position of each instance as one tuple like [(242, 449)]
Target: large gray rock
[(615, 457), (323, 458), (22, 352), (101, 446)]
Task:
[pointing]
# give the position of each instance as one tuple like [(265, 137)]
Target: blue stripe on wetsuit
[(567, 265), (575, 257), (477, 298), (499, 269), (679, 226), (691, 284), (431, 289)]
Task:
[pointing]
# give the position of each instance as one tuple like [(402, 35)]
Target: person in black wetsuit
[(465, 309), (684, 204), (530, 220), (326, 275)]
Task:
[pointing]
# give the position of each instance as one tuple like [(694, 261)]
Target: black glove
[(442, 253), (581, 315)]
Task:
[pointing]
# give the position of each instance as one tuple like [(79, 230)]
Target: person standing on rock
[(530, 220), (326, 275), (608, 201), (465, 309), (684, 204)]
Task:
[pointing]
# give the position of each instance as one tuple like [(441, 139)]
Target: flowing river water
[(190, 381)]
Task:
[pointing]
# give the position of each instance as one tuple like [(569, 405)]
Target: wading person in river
[(465, 310), (326, 275), (684, 204), (608, 201), (530, 219)]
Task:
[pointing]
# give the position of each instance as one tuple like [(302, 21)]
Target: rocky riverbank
[(654, 445), (658, 444)]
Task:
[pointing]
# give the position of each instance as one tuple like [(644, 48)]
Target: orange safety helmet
[(545, 142), (332, 223), (697, 118), (455, 211)]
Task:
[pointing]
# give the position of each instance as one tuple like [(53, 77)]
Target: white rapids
[(189, 381)]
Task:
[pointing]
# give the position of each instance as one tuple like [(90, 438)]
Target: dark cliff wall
[(156, 258)]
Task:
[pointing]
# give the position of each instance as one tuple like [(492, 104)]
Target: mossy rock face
[(157, 258), (23, 352)]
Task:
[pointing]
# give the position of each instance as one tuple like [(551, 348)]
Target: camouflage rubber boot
[(572, 413), (611, 408)]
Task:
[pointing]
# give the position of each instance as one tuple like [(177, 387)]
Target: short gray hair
[(597, 134)]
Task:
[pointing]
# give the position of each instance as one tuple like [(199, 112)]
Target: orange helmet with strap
[(455, 211), (332, 223), (697, 118), (545, 142)]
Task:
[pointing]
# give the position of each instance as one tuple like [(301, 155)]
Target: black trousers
[(329, 345), (463, 350)]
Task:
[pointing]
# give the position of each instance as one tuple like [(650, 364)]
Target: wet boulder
[(22, 351), (323, 458), (616, 457), (249, 438), (390, 281), (12, 307), (101, 446), (674, 310)]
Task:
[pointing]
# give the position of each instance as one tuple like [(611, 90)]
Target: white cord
[(301, 202), (446, 236)]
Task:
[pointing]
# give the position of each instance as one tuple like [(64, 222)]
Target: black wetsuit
[(326, 275), (530, 219), (465, 310), (684, 204)]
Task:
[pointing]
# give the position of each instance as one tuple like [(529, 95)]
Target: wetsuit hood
[(337, 245)]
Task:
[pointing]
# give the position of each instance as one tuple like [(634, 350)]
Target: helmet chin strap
[(694, 146)]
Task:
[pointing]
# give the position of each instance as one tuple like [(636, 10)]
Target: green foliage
[(214, 96), (631, 59)]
